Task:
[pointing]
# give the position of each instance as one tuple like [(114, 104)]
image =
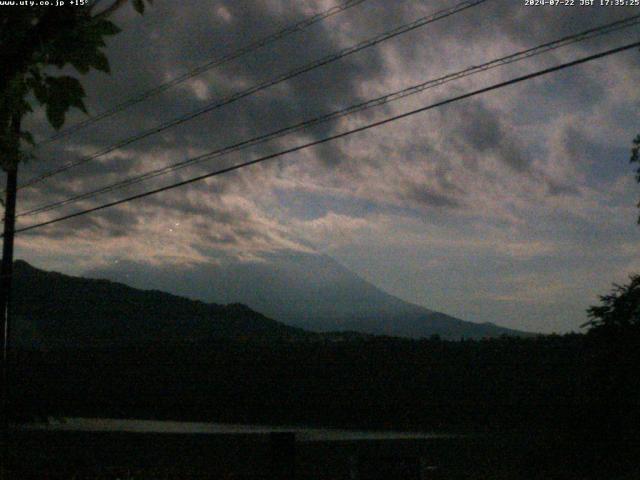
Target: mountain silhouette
[(309, 291), (55, 310)]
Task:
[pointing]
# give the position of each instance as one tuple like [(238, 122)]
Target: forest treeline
[(376, 382), (570, 399)]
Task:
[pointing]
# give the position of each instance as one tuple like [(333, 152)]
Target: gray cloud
[(478, 130), (430, 198), (493, 169)]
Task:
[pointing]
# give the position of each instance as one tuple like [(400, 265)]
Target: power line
[(251, 47), (336, 136), (261, 86), (412, 90), (242, 94)]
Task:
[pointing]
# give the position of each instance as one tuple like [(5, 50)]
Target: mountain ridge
[(309, 291), (101, 312), (104, 313)]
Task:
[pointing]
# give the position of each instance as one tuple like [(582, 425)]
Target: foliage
[(635, 158), (35, 39), (635, 154), (619, 311)]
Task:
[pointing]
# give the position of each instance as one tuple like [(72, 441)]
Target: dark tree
[(34, 39), (635, 158), (619, 311), (36, 42)]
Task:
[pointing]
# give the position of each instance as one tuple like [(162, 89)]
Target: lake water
[(303, 434)]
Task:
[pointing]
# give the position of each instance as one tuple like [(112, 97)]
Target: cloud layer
[(516, 207)]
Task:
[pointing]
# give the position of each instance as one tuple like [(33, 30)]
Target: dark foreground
[(573, 403), (111, 455)]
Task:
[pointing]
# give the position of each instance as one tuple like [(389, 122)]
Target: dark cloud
[(555, 188), (491, 163), (430, 198), (575, 144), (168, 41), (110, 224), (477, 130)]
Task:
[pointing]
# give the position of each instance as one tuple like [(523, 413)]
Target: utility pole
[(6, 273), (6, 269)]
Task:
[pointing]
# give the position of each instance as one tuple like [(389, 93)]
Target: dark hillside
[(52, 309)]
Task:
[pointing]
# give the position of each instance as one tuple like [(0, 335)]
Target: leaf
[(82, 67), (63, 93), (82, 45), (101, 62), (139, 6), (104, 27), (39, 90), (55, 115), (27, 137)]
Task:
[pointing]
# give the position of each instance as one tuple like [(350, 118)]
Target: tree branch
[(117, 4)]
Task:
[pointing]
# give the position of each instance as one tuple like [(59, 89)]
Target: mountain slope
[(51, 309), (308, 291)]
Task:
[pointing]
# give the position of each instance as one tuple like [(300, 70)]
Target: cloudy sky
[(516, 207)]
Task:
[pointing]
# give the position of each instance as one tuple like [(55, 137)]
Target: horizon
[(375, 298)]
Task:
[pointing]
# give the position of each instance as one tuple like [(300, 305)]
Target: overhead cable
[(397, 95), (330, 138), (258, 87)]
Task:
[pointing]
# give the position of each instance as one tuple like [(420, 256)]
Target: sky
[(516, 207)]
